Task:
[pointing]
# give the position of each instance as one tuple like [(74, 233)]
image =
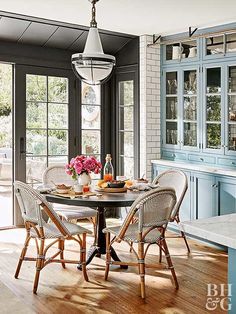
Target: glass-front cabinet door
[(213, 113), (190, 108), (171, 108), (231, 109)]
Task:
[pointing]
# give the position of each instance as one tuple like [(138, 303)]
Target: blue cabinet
[(204, 188), (207, 195), (226, 200)]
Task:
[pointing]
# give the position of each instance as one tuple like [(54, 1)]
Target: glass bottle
[(108, 171)]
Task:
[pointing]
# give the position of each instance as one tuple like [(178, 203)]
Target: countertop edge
[(195, 167)]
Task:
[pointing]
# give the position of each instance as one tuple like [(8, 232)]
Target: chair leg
[(160, 252), (83, 257), (141, 265), (185, 240), (61, 247), (39, 265), (169, 262), (22, 256), (108, 255)]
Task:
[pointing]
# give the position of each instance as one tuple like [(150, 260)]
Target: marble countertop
[(195, 167), (219, 229)]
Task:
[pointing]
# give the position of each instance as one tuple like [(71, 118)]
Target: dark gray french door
[(46, 133)]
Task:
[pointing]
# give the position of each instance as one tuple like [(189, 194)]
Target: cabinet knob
[(201, 159), (233, 163), (173, 155)]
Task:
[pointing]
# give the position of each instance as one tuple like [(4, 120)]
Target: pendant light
[(93, 66)]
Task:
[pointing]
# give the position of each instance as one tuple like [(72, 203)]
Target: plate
[(112, 190)]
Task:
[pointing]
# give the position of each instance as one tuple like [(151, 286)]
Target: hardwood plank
[(64, 290)]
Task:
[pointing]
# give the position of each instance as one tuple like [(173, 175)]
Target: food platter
[(112, 190)]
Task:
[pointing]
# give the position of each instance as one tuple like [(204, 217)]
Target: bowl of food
[(63, 189), (116, 184), (142, 180)]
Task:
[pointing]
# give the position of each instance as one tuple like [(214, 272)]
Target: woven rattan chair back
[(56, 175), (35, 209), (154, 209), (177, 180)]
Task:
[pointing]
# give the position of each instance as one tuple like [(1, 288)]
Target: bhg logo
[(219, 296)]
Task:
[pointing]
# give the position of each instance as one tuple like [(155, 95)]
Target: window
[(126, 110), (91, 120)]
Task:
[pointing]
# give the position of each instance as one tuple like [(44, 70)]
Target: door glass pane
[(36, 115), (232, 137), (6, 140), (190, 134), (189, 49), (57, 142), (232, 79), (57, 160), (90, 95), (57, 89), (213, 108), (91, 117), (126, 118), (171, 108), (36, 88), (213, 136), (214, 80), (126, 93), (214, 45), (190, 108), (35, 167), (57, 116), (231, 42), (190, 82), (129, 167), (127, 143), (36, 142), (171, 133), (232, 107), (171, 83), (90, 142)]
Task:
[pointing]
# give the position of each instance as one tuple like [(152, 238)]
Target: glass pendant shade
[(93, 66)]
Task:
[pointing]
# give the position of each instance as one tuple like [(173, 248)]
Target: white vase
[(84, 179)]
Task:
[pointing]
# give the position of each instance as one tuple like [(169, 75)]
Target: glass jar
[(108, 171)]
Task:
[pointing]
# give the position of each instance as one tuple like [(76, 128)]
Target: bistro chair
[(56, 175), (178, 181), (154, 209), (42, 223)]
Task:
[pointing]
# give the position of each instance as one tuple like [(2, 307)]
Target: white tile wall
[(149, 104)]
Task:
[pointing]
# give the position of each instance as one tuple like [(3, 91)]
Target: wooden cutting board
[(112, 190)]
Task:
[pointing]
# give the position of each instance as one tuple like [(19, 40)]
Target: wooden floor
[(64, 291)]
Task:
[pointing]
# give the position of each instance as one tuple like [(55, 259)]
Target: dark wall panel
[(129, 54)]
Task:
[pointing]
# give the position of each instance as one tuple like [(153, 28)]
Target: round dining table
[(100, 203)]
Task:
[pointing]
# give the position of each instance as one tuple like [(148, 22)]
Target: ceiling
[(129, 16), (23, 29)]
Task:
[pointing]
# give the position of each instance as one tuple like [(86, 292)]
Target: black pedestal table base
[(99, 246)]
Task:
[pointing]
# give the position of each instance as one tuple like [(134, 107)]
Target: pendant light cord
[(93, 22)]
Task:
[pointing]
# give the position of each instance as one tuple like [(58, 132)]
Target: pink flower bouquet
[(81, 164)]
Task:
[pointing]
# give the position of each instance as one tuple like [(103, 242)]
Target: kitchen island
[(221, 230)]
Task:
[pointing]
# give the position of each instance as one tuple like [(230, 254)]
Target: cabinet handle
[(213, 185), (173, 155), (233, 163), (201, 159)]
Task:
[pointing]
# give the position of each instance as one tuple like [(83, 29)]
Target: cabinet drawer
[(173, 155), (227, 162), (203, 159)]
